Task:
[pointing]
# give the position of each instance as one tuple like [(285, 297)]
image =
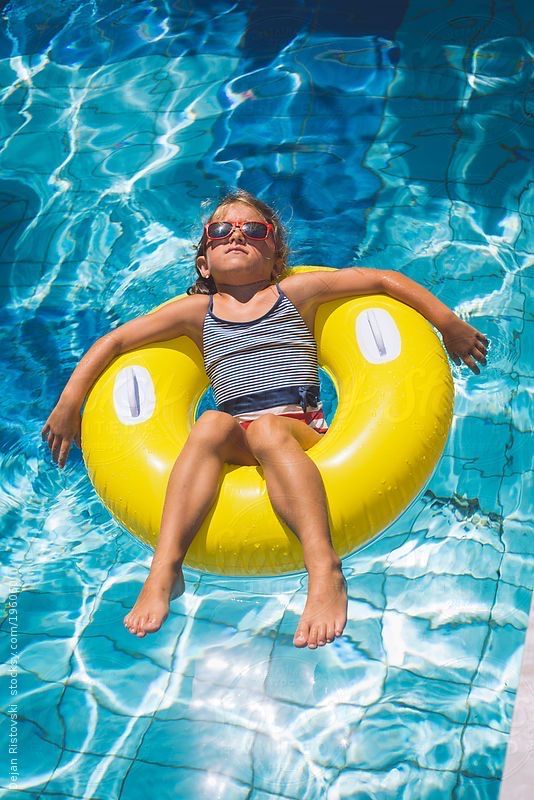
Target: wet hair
[(281, 253)]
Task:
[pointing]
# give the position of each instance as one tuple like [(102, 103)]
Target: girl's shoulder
[(188, 310), (309, 289), (195, 307), (192, 311), (300, 287)]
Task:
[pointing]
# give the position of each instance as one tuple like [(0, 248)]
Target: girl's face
[(237, 260)]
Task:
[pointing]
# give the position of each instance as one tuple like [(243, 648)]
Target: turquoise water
[(398, 139)]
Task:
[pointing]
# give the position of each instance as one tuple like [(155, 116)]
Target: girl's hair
[(281, 253)]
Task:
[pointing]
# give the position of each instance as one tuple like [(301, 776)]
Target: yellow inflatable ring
[(395, 399)]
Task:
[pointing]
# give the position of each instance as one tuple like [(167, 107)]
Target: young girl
[(255, 330)]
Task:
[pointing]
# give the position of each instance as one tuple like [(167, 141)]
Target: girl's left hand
[(462, 341)]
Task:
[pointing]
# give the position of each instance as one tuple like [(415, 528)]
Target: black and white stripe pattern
[(272, 352)]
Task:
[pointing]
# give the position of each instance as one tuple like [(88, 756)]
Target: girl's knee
[(266, 433), (212, 427), (218, 432)]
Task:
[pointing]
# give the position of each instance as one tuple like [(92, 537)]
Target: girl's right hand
[(62, 427)]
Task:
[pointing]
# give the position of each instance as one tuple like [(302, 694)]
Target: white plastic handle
[(134, 396), (378, 336)]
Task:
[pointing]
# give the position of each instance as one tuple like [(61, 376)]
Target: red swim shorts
[(313, 417)]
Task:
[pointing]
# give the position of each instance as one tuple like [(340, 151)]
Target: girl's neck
[(244, 292)]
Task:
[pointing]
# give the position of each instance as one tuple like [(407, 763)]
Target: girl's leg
[(297, 495), (215, 438)]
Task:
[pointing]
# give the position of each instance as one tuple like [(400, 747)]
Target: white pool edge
[(518, 774)]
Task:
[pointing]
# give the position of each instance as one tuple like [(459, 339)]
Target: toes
[(321, 634), (149, 623), (140, 626), (131, 624), (301, 636), (330, 632), (312, 638)]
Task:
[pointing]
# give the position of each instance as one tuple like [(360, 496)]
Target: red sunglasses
[(252, 229)]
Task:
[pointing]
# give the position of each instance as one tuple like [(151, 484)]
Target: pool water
[(387, 135)]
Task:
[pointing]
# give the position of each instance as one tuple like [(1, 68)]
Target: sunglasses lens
[(255, 230), (252, 230), (218, 230)]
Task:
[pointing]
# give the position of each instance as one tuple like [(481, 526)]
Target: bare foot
[(152, 606), (325, 612)]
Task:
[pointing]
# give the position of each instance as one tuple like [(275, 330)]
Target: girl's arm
[(461, 340), (89, 368), (63, 426)]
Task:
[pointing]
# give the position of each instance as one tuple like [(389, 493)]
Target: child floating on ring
[(255, 330)]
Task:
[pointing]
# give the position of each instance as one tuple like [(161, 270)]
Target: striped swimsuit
[(264, 366)]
